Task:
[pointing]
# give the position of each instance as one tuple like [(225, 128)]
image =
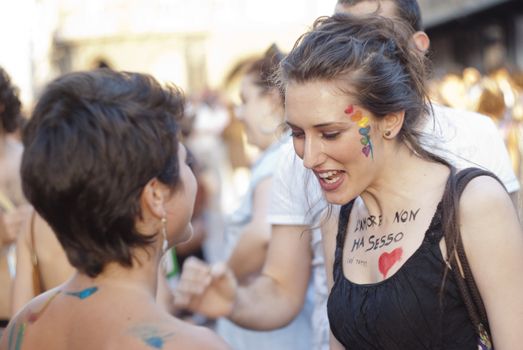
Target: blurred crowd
[(498, 94), (230, 133)]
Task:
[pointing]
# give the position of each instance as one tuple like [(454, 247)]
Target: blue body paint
[(83, 294), (151, 335), (155, 342)]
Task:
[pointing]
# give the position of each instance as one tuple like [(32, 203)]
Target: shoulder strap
[(457, 257), (343, 221), (37, 282)]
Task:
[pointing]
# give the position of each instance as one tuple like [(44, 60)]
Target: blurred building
[(485, 34), (477, 52), (192, 43)]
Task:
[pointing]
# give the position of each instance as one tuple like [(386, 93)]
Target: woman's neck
[(142, 278), (405, 179)]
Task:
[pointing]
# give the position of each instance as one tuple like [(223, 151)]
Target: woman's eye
[(296, 134), (330, 135)]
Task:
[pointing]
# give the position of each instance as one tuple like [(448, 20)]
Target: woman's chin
[(338, 198), (186, 234)]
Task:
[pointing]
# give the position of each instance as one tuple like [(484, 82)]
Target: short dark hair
[(375, 62), (407, 10), (10, 116), (93, 142)]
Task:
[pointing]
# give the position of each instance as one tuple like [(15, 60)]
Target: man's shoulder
[(473, 121)]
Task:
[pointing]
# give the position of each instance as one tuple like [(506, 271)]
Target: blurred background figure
[(41, 263), (212, 167), (13, 208), (498, 95), (247, 230)]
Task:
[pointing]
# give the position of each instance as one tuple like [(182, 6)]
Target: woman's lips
[(330, 180)]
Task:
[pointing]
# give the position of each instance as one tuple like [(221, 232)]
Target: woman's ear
[(153, 198), (391, 124), (421, 40)]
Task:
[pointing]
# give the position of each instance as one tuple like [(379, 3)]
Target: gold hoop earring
[(164, 234)]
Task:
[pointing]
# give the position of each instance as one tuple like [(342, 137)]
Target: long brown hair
[(374, 58)]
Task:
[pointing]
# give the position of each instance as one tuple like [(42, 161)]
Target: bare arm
[(23, 287), (250, 251), (283, 284), (494, 246), (518, 204), (271, 301)]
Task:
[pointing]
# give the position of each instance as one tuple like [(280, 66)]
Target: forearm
[(517, 200), (23, 287), (265, 305), (250, 252)]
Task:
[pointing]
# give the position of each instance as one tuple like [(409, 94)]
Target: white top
[(294, 336), (470, 139), (464, 138)]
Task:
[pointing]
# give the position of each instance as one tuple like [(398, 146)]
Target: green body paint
[(11, 336), (20, 336)]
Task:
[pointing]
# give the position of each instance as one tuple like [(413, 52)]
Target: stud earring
[(164, 234), (387, 133)]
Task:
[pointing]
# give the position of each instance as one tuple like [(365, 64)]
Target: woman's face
[(181, 203), (335, 138), (258, 112)]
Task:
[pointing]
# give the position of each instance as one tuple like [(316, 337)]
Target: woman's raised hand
[(205, 289)]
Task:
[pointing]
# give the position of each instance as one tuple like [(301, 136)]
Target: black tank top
[(405, 311)]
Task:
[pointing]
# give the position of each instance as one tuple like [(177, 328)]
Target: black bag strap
[(456, 253)]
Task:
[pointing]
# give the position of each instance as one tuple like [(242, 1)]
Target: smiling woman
[(355, 100)]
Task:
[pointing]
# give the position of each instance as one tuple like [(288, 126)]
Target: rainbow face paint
[(363, 122), (32, 317)]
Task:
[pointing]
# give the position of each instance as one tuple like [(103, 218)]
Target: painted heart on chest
[(387, 260)]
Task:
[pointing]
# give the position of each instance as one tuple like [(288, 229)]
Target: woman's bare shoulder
[(197, 337), (174, 335), (487, 214)]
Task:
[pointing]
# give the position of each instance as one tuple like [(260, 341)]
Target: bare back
[(101, 318)]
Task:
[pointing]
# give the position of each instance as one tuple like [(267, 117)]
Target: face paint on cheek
[(363, 123), (365, 141)]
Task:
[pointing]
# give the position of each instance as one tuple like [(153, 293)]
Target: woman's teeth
[(330, 176)]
